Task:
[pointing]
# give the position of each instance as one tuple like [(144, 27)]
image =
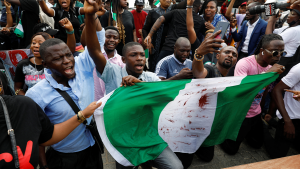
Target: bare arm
[(229, 9), (15, 2), (92, 43), (190, 23), (9, 19), (271, 25), (154, 28), (46, 10), (19, 85), (62, 130), (134, 36), (71, 41), (42, 156)]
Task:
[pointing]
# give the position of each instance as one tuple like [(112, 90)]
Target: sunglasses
[(276, 53)]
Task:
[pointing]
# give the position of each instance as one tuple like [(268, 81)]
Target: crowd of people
[(56, 88)]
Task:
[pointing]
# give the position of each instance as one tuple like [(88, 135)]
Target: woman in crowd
[(30, 71), (158, 38), (64, 9), (124, 22), (209, 13)]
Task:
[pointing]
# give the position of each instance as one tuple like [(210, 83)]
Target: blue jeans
[(166, 160)]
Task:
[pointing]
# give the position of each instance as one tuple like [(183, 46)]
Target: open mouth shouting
[(69, 70), (139, 67), (64, 4)]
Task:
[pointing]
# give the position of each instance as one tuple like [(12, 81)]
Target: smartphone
[(223, 26), (234, 12)]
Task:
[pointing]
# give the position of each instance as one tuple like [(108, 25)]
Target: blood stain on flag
[(203, 101)]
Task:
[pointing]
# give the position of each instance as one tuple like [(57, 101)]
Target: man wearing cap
[(139, 17)]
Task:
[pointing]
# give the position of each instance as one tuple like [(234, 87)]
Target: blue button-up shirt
[(112, 76), (58, 110)]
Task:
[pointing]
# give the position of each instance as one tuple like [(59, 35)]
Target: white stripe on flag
[(179, 121)]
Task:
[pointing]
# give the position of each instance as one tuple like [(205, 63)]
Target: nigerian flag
[(19, 30), (137, 123), (157, 3)]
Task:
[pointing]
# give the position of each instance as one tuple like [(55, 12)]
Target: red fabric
[(139, 20), (223, 9)]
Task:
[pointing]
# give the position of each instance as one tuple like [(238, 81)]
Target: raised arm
[(229, 9), (90, 8), (71, 41), (190, 23), (46, 10), (9, 19), (208, 45), (154, 28), (271, 25), (15, 2)]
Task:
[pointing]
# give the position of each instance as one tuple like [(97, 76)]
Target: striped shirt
[(170, 66)]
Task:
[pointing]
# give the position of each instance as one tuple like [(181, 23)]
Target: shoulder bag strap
[(11, 133)]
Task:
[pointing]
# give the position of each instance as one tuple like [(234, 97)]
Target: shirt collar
[(124, 73), (115, 55), (53, 82), (179, 61), (254, 24)]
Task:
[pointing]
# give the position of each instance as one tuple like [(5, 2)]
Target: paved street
[(245, 155)]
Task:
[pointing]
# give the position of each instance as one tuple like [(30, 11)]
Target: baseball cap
[(244, 3), (139, 2), (48, 29)]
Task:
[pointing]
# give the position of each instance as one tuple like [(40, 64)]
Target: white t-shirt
[(290, 36), (292, 79)]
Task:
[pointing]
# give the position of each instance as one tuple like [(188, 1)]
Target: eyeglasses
[(275, 53)]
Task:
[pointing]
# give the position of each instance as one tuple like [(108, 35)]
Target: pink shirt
[(249, 66), (98, 83)]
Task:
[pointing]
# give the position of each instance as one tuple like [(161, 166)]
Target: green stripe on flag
[(147, 53), (19, 30), (157, 2), (236, 99), (133, 131)]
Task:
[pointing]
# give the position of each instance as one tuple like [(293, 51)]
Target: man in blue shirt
[(176, 66), (113, 75), (75, 76)]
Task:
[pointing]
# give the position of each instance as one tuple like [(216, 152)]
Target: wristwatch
[(198, 57)]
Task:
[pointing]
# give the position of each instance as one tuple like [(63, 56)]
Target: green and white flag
[(157, 3), (137, 123), (19, 30), (113, 15)]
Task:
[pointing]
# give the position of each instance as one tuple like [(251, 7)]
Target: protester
[(239, 16), (124, 22), (250, 32), (176, 66), (78, 149), (64, 9), (139, 17), (224, 7), (287, 131), (158, 38), (111, 55), (268, 52), (22, 112), (209, 13), (29, 17), (44, 27), (176, 20)]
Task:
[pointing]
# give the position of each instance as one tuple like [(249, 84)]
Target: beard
[(226, 65), (292, 23)]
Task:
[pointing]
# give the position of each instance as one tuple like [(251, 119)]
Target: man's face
[(111, 39), (107, 5), (135, 60), (292, 18), (227, 57), (248, 16), (243, 9), (165, 3), (275, 45), (182, 51), (60, 61), (139, 8)]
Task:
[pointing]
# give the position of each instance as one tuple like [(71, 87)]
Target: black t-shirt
[(177, 27), (128, 22), (29, 73), (72, 15), (31, 126), (30, 17), (212, 71)]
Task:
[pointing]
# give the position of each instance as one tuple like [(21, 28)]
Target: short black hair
[(112, 28), (265, 41), (128, 45), (38, 26), (48, 43)]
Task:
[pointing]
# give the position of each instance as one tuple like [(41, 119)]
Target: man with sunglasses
[(267, 53)]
